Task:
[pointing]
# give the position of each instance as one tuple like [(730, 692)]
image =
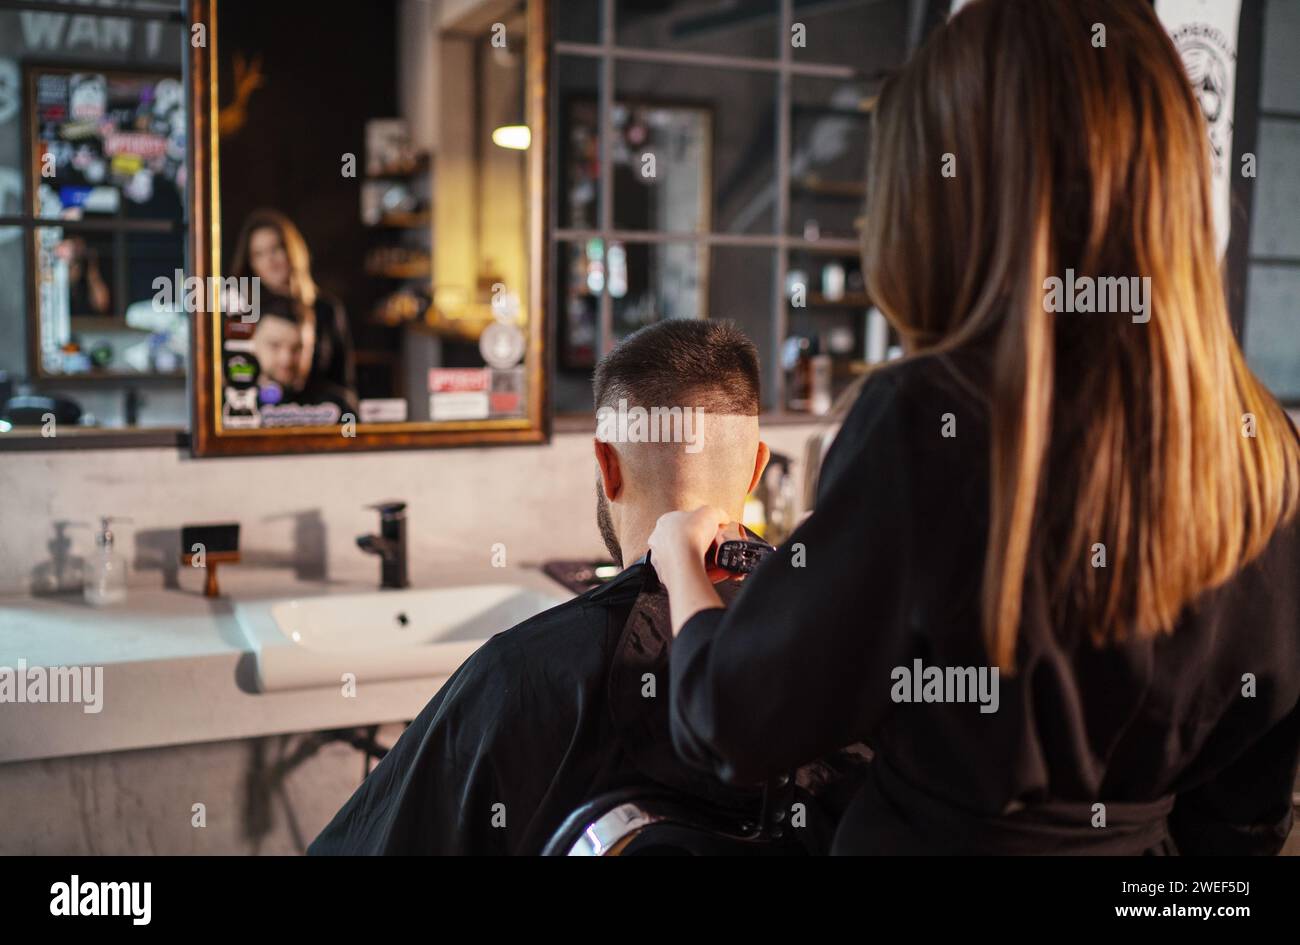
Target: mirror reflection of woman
[(271, 248)]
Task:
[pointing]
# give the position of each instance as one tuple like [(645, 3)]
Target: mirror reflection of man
[(278, 346), (277, 343)]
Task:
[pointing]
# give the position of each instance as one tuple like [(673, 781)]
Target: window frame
[(117, 229), (29, 223), (607, 54), (1248, 116)]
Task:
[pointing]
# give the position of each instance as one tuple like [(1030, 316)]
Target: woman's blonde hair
[(302, 288), (1032, 137)]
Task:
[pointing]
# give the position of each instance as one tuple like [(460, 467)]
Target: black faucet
[(389, 544)]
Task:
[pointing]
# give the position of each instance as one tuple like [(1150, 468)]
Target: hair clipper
[(739, 555)]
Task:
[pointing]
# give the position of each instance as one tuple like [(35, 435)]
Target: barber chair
[(650, 822)]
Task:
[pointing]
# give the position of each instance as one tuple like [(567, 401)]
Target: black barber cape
[(566, 706)]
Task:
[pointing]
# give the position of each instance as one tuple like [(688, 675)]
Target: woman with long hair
[(1053, 574), (271, 248)]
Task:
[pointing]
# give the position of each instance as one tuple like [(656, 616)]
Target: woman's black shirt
[(1189, 739)]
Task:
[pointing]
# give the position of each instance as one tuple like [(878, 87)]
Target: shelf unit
[(393, 230)]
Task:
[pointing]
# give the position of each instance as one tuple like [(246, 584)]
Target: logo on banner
[(1205, 35), (1209, 57)]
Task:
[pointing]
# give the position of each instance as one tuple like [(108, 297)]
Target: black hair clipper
[(739, 555)]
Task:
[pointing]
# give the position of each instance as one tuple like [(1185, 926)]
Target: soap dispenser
[(106, 570)]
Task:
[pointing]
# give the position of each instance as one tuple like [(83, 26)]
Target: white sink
[(311, 642)]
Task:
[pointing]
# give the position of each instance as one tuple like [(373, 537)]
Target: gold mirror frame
[(208, 438)]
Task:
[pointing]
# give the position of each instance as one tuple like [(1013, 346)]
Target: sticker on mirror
[(458, 394), (382, 410), (506, 398)]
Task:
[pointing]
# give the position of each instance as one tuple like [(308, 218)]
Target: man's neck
[(634, 536), (635, 541)]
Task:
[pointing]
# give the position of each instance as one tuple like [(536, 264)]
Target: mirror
[(368, 226)]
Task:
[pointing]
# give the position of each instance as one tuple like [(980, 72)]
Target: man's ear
[(760, 463), (611, 473)]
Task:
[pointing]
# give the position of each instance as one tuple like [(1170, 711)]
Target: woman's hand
[(678, 544), (685, 534)]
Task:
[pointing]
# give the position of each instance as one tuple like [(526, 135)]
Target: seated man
[(572, 703), (277, 345)]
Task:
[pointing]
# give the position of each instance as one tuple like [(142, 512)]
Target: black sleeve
[(1246, 809), (800, 663), (342, 367)]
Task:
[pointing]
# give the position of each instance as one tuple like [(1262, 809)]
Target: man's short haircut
[(277, 306), (682, 362)]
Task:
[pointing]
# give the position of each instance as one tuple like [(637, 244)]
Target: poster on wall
[(1205, 35)]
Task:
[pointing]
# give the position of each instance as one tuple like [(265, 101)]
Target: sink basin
[(313, 641)]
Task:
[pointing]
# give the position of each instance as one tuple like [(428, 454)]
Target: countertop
[(178, 668)]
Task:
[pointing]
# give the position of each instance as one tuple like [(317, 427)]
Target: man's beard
[(606, 526)]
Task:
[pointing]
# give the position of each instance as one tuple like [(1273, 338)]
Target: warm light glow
[(515, 137)]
